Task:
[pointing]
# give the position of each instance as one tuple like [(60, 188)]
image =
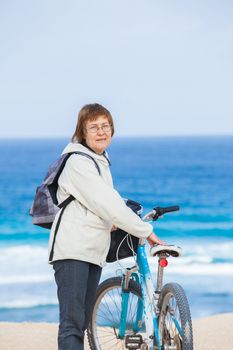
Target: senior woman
[(83, 240)]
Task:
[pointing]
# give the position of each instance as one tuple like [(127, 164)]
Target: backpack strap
[(90, 157), (106, 157), (67, 201), (55, 234), (71, 198)]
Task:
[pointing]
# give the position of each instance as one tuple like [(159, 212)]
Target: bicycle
[(129, 313)]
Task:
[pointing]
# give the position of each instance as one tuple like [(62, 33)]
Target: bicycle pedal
[(133, 341)]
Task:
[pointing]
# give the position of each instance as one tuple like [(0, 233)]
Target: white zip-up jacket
[(84, 231)]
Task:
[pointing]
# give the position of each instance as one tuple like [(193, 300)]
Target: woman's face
[(98, 134)]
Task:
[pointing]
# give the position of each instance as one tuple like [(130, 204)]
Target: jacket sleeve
[(82, 180)]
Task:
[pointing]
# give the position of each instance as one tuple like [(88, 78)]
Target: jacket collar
[(74, 147), (102, 154)]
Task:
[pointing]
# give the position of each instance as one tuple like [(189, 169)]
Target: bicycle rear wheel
[(175, 325), (103, 330)]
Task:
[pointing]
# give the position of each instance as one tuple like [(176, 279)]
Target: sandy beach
[(212, 333)]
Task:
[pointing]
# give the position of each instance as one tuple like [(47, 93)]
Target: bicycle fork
[(124, 303)]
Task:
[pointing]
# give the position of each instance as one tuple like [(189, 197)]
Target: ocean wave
[(177, 266), (174, 267), (29, 303), (21, 279), (195, 225), (22, 253), (201, 269), (13, 234), (25, 264), (206, 248), (34, 254)]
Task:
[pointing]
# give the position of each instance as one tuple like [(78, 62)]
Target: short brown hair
[(90, 112)]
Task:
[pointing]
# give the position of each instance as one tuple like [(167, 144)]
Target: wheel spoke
[(107, 316)]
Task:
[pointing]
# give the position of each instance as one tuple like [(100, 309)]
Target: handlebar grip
[(169, 209), (160, 211)]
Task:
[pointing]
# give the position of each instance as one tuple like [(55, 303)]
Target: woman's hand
[(154, 239)]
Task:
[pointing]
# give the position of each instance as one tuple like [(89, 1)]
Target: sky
[(160, 67)]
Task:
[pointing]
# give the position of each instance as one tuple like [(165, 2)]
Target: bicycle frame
[(148, 298), (146, 314), (148, 303)]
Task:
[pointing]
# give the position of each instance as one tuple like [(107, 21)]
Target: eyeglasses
[(95, 128)]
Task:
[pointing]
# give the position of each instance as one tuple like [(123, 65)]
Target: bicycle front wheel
[(103, 330), (175, 325)]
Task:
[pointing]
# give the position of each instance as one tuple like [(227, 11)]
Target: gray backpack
[(45, 205)]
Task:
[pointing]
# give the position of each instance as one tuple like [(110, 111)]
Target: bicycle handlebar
[(159, 211)]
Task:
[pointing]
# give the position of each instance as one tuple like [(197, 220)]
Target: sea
[(195, 173)]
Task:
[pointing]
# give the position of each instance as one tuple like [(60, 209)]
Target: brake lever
[(149, 216), (155, 217)]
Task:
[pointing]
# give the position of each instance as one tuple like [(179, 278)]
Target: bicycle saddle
[(172, 250)]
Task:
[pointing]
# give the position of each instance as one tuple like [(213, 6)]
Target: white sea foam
[(28, 303), (27, 264), (198, 259), (202, 248), (22, 253), (20, 279), (198, 269), (24, 264), (179, 267), (26, 269)]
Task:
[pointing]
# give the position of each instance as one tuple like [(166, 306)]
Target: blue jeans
[(77, 282)]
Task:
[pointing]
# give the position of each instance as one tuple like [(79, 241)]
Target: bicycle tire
[(173, 302), (103, 335)]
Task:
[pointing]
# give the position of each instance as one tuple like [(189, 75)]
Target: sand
[(212, 333)]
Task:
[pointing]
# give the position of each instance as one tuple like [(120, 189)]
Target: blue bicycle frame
[(147, 305)]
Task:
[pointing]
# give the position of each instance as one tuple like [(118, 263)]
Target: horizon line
[(119, 136)]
